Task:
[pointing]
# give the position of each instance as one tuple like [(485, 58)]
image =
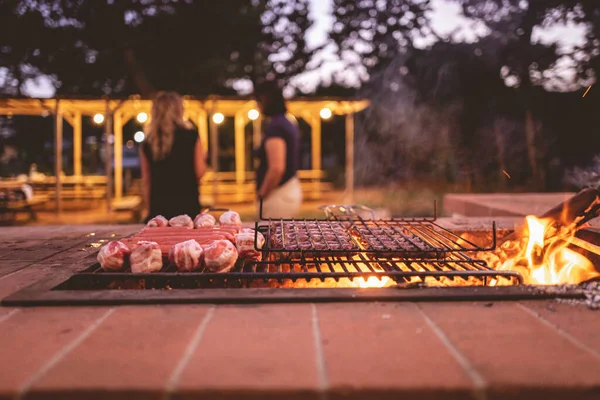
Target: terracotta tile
[(5, 312), (387, 350), (254, 352), (31, 337), (518, 356), (132, 354), (576, 320)]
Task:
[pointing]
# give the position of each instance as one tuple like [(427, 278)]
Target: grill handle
[(347, 210)]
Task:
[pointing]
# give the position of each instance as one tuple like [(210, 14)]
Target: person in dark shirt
[(277, 184), (172, 160)]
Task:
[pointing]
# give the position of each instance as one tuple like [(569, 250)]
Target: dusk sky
[(446, 18)]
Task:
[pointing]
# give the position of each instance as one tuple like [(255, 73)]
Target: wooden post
[(256, 137), (203, 129), (77, 140), (316, 142), (108, 156), (240, 148), (214, 156), (118, 146), (350, 157), (58, 145)]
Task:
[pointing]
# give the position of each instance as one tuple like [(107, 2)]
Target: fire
[(373, 282), (546, 259)]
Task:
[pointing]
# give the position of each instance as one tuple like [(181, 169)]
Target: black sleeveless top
[(173, 182), (279, 126)]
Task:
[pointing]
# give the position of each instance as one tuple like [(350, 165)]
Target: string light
[(326, 113), (218, 118), (98, 118)]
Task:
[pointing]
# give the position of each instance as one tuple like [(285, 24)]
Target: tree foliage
[(129, 46), (369, 34)]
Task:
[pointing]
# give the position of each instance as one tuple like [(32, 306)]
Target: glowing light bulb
[(253, 114), (326, 113), (218, 118), (139, 136), (142, 117), (98, 118)]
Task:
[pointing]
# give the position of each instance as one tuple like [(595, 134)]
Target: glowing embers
[(365, 271)]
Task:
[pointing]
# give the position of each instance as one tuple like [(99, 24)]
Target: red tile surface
[(132, 354), (582, 323), (518, 356), (31, 337), (387, 349), (254, 352)]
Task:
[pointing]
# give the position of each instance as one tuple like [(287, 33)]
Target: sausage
[(190, 235)]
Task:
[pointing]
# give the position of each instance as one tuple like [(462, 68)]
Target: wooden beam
[(203, 128), (58, 145), (118, 145), (77, 141), (256, 137), (108, 155), (214, 157), (240, 148), (350, 157), (315, 125)]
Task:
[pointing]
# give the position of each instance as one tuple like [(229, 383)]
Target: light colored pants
[(283, 202)]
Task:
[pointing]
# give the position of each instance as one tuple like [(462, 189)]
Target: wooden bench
[(11, 207)]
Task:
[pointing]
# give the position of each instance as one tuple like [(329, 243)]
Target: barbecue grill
[(337, 251), (333, 258)]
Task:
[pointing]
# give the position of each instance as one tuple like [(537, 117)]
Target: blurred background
[(465, 95)]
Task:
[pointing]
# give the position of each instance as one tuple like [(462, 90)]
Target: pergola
[(117, 112)]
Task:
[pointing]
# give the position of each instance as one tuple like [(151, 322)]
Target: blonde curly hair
[(167, 116)]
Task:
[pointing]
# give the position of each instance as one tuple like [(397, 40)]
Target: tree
[(369, 34), (127, 46)]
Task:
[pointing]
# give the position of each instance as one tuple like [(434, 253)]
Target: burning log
[(572, 214), (542, 250)]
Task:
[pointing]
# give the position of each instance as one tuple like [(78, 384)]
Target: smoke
[(585, 177), (400, 137)]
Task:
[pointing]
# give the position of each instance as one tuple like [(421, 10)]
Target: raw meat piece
[(244, 243), (158, 222), (146, 257), (204, 220), (220, 256), (183, 221), (187, 256), (230, 218), (112, 257)]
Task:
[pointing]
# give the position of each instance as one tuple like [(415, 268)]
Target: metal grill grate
[(339, 234), (456, 271)]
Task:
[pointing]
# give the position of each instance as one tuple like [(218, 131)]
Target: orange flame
[(546, 259)]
